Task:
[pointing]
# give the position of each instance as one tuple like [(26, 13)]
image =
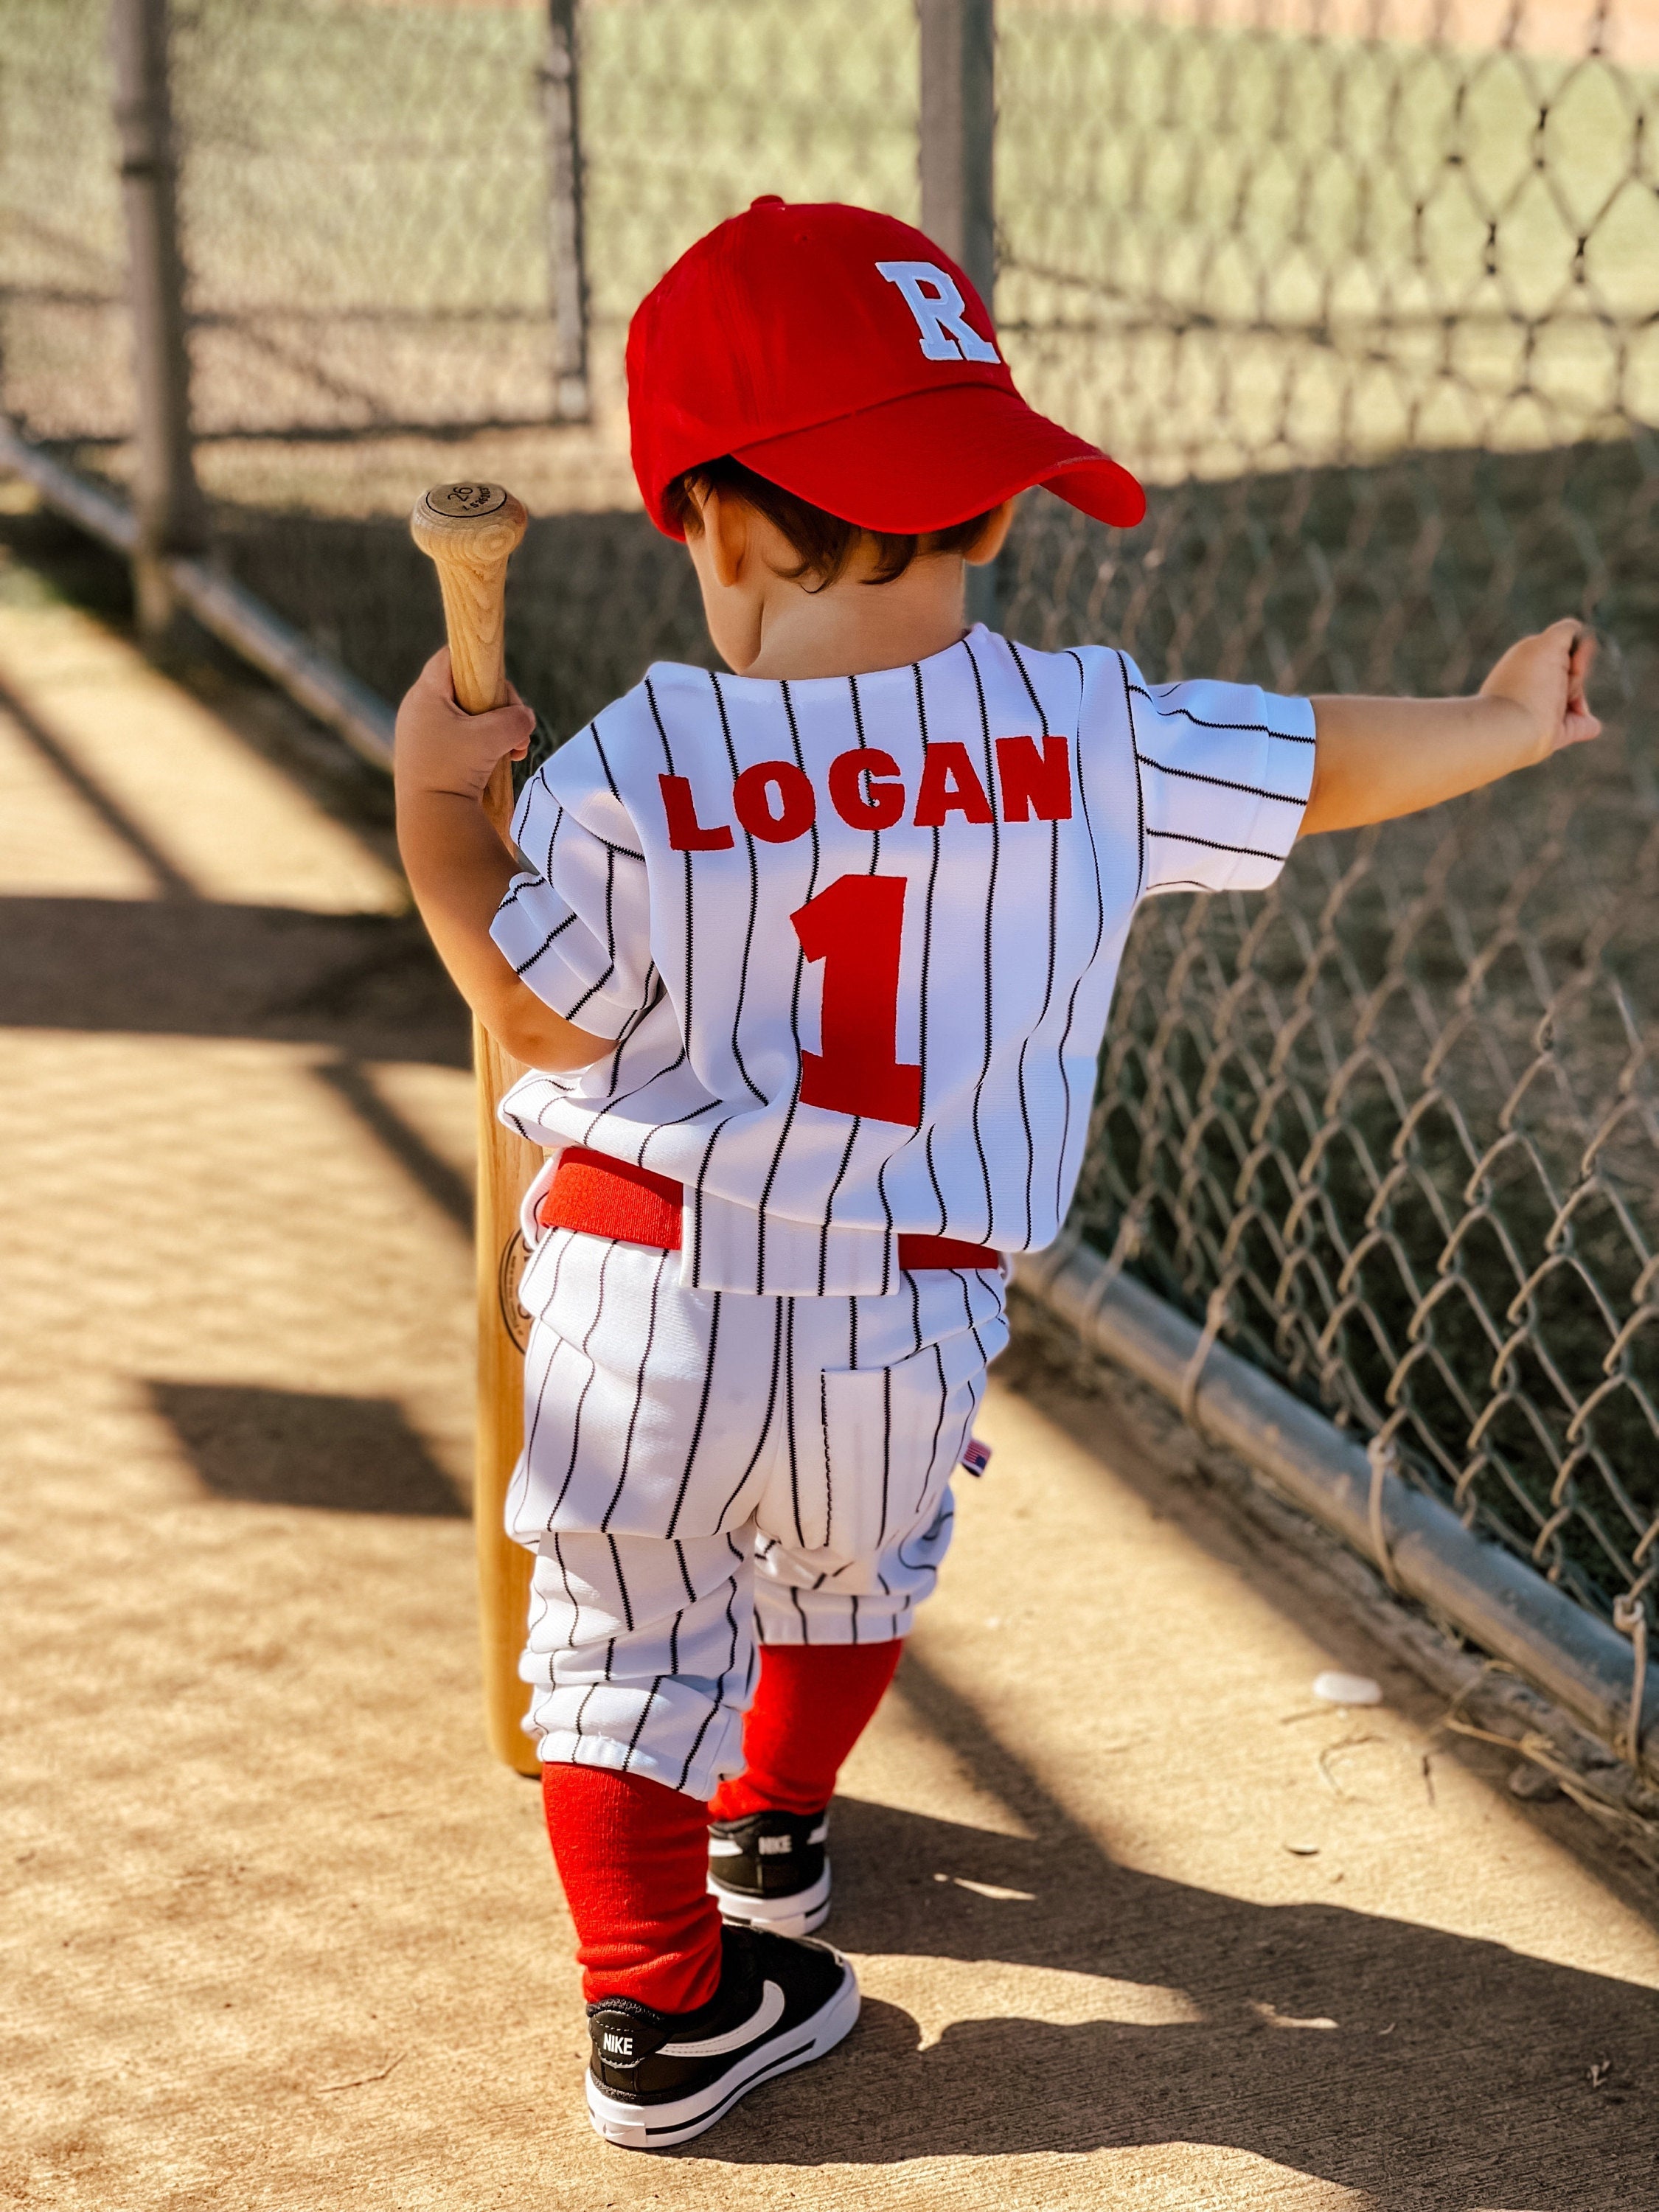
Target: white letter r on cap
[(934, 300)]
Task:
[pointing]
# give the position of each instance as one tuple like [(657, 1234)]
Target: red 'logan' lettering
[(864, 788), (685, 833), (1035, 781), (949, 783), (798, 803), (775, 800)]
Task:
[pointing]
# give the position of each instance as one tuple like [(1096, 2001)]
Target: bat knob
[(475, 525)]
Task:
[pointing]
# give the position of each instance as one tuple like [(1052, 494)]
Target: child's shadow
[(1457, 2073)]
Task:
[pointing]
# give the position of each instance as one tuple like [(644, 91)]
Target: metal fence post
[(566, 242), (957, 142), (171, 513)]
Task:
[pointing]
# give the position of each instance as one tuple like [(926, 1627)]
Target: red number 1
[(854, 928)]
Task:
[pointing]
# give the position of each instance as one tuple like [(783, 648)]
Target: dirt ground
[(1139, 1923)]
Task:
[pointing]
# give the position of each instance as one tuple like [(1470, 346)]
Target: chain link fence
[(1378, 316), (1367, 294)]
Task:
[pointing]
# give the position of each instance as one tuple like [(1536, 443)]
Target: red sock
[(812, 1703), (632, 1856)]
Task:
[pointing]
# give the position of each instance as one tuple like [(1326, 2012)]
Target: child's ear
[(989, 543), (726, 527)]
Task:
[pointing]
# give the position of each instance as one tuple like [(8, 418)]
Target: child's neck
[(852, 627)]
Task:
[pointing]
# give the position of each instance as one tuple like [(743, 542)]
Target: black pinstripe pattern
[(1213, 844), (1135, 755), (703, 1415), (754, 900), (794, 1015), (587, 1384), (1100, 932), (927, 962), (789, 1417), (621, 1590), (771, 1405), (554, 933), (990, 940), (829, 1466), (533, 1424), (1186, 713), (571, 1598), (639, 1388), (668, 755), (1053, 936), (593, 730), (654, 997), (875, 863), (857, 1122), (886, 1451), (593, 990), (1221, 782), (697, 1745), (638, 1726)]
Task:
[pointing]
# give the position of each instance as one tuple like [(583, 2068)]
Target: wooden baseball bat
[(470, 530)]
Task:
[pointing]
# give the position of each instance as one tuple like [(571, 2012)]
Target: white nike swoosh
[(767, 2013)]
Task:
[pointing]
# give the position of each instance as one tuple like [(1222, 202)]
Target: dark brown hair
[(824, 543)]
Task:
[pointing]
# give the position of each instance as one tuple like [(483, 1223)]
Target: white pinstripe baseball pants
[(701, 1468)]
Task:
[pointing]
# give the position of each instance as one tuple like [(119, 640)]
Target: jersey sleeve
[(576, 922), (1224, 771)]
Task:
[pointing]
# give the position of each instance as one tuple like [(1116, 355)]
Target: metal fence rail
[(1368, 291)]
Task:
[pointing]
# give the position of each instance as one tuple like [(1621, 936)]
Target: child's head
[(754, 545), (823, 548), (818, 393)]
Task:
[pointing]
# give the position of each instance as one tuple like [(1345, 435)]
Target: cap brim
[(934, 458)]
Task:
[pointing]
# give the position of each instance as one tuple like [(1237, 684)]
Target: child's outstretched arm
[(1377, 758), (458, 868)]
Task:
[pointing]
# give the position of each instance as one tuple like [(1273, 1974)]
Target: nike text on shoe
[(659, 2078), (771, 1871)]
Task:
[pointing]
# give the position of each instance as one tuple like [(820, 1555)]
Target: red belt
[(603, 1197)]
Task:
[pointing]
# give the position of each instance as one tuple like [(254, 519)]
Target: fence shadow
[(195, 968), (252, 1445)]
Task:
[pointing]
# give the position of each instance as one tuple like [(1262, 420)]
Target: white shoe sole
[(659, 2127), (799, 1914)]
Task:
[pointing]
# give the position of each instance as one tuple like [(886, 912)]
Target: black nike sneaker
[(659, 2078), (771, 1871)]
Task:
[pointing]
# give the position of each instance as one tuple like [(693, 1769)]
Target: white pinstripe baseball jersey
[(855, 938)]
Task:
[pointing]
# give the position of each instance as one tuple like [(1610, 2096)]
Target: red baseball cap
[(838, 353)]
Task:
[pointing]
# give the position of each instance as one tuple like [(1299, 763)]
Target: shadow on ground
[(183, 965), (1422, 2068), (264, 1447), (190, 967)]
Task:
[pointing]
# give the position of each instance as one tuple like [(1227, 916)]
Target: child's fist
[(1544, 676), (440, 747)]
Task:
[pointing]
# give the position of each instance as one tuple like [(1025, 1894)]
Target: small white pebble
[(1348, 1690), (1303, 1851)]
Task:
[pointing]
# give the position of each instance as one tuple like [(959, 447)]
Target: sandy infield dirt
[(1139, 1923)]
